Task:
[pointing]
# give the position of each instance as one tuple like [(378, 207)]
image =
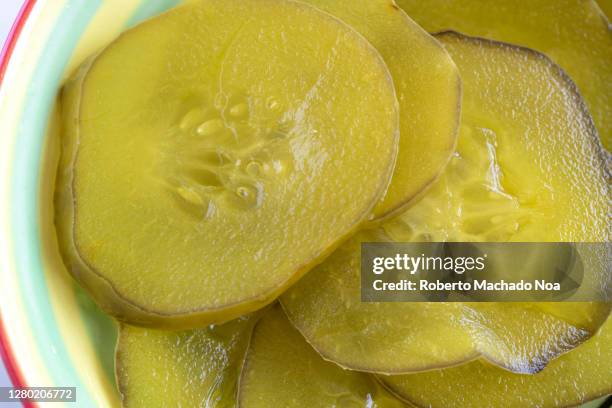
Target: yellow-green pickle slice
[(574, 33), (194, 368), (527, 156), (606, 8), (574, 378), (213, 154), (282, 370), (428, 89)]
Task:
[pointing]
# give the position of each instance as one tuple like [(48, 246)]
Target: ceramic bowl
[(51, 333)]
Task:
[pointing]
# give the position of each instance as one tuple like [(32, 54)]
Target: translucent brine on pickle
[(527, 157), (213, 153)]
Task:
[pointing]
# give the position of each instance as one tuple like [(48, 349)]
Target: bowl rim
[(7, 356), (43, 43)]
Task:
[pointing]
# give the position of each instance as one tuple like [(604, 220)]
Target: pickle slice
[(574, 33), (282, 370), (393, 337), (428, 88), (213, 154), (606, 7), (527, 156), (194, 368), (577, 377)]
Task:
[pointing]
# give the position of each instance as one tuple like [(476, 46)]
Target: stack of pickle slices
[(222, 163)]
